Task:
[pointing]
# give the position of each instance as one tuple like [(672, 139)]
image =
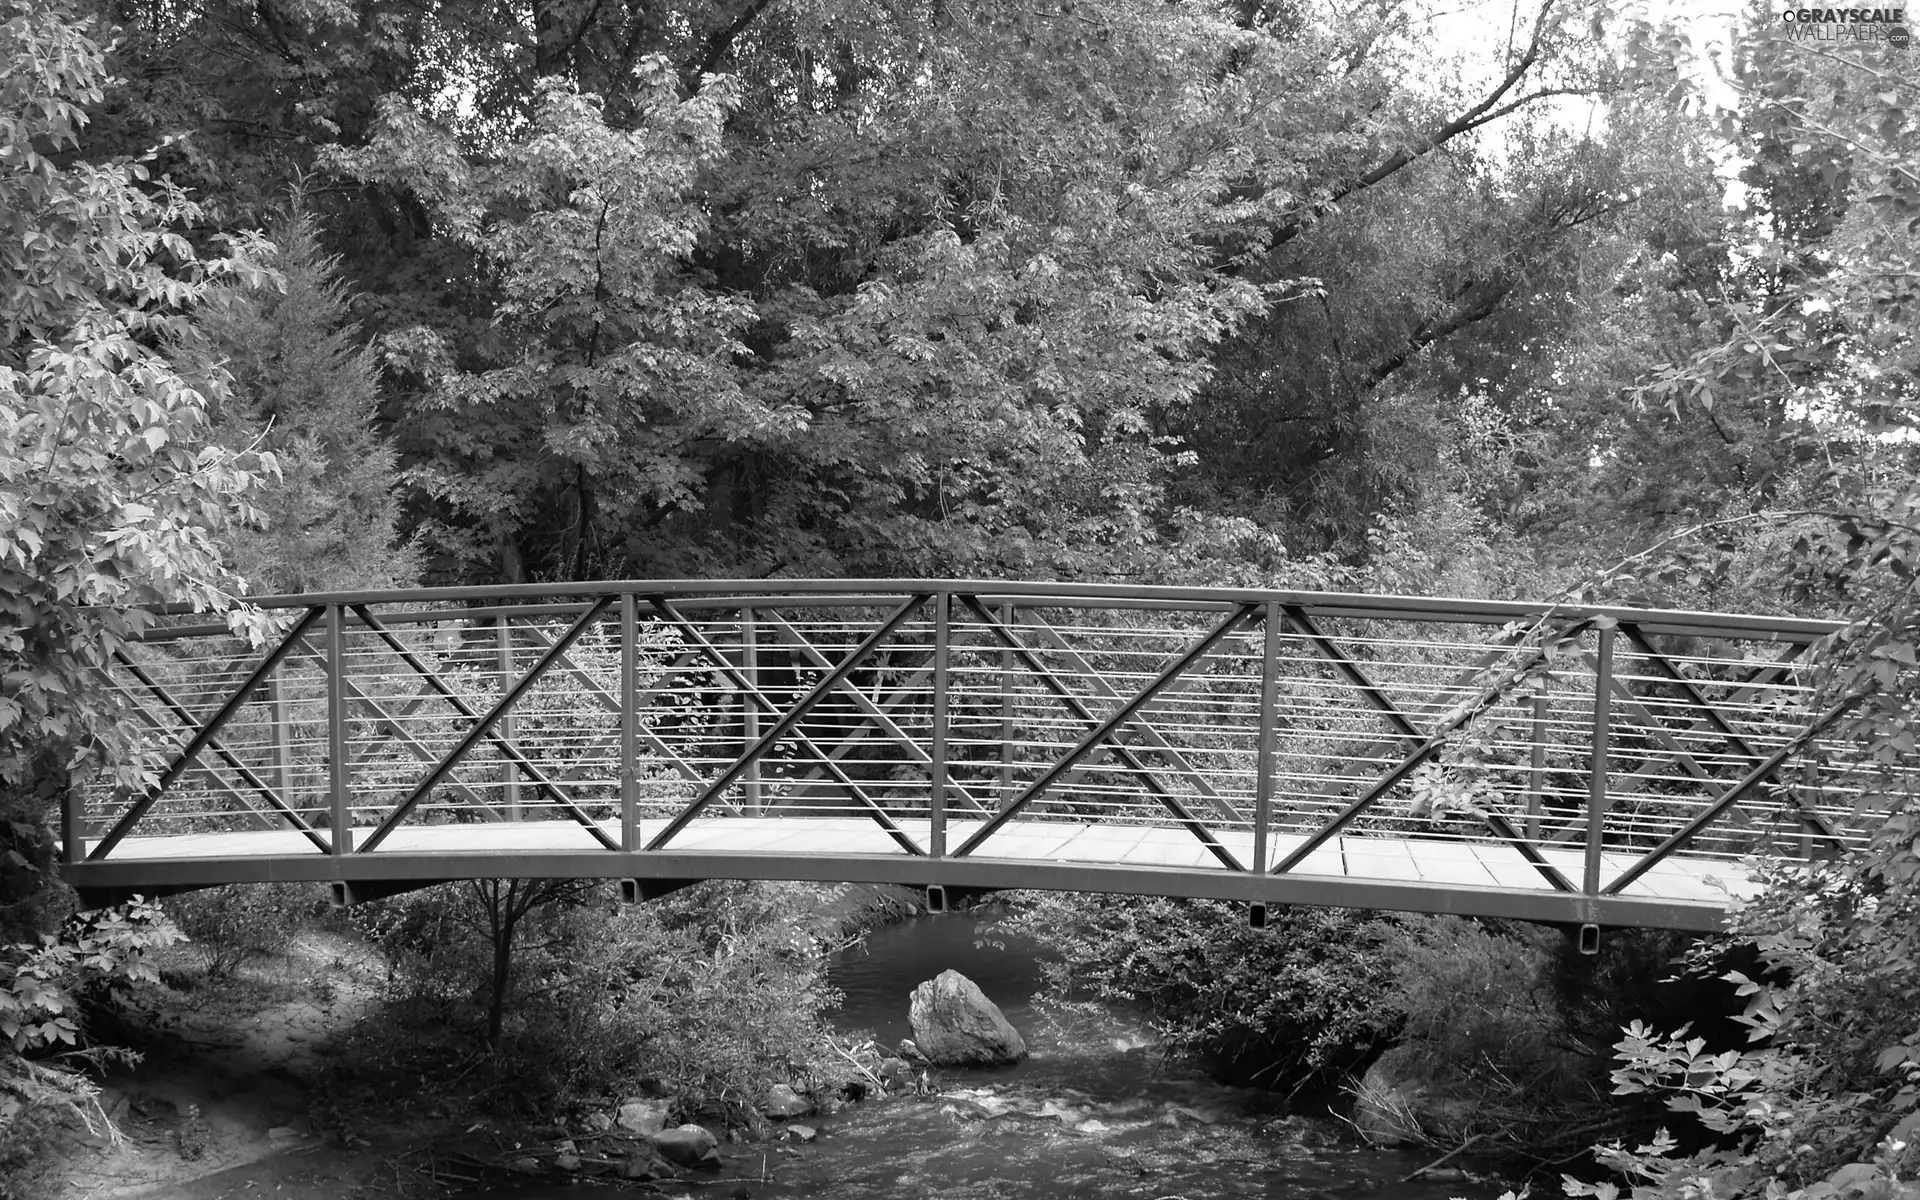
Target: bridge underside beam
[(366, 875)]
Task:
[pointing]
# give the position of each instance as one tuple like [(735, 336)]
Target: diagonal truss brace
[(876, 714), (1343, 662), (505, 746), (1705, 708), (1361, 758), (611, 703), (206, 734), (1675, 754), (1434, 742), (1106, 731), (1727, 800), (392, 727), (788, 722), (253, 780), (483, 727), (1141, 727)]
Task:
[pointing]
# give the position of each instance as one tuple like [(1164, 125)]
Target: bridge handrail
[(768, 592)]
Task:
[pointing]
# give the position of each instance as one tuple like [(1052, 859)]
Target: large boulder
[(955, 1025), (1395, 1104), (782, 1102), (688, 1146)]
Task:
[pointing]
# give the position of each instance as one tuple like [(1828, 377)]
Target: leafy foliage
[(229, 926), (1294, 1000), (46, 989), (112, 491), (716, 992)]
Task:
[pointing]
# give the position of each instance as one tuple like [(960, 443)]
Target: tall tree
[(306, 389), (112, 491)]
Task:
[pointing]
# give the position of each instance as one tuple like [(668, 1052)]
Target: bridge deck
[(1490, 879)]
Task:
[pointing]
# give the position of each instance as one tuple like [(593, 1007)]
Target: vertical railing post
[(509, 774), (1597, 781), (1006, 709), (629, 723), (1263, 755), (338, 781), (73, 823), (937, 768), (1537, 769), (749, 710), (282, 741)]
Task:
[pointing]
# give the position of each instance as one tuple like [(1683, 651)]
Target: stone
[(954, 1024), (525, 1165), (782, 1103), (910, 1051), (597, 1122), (688, 1146), (802, 1133), (643, 1116), (566, 1162), (1391, 1106)]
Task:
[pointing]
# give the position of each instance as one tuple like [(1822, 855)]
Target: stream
[(1090, 1113)]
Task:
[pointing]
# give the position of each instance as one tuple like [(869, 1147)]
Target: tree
[(1827, 1103), (112, 492), (303, 388)]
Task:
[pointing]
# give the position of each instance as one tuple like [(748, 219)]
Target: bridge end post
[(73, 823), (1257, 915), (1588, 939), (1597, 780)]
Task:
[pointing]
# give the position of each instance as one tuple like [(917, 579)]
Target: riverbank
[(278, 1079), (281, 1081)]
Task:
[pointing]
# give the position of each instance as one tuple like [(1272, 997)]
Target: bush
[(1296, 1000), (229, 926), (45, 993), (1476, 1004), (715, 993)]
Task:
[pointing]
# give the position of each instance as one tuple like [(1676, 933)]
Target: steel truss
[(1588, 764)]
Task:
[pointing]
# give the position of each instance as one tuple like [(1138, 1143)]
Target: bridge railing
[(1588, 746)]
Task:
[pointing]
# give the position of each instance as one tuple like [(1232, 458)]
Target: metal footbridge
[(1586, 766)]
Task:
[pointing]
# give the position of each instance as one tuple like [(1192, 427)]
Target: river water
[(1093, 1112)]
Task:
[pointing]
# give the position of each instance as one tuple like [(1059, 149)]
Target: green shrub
[(46, 990), (1295, 1000), (229, 926), (715, 992)]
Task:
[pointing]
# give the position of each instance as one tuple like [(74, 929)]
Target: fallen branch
[(857, 1064), (1443, 1158)]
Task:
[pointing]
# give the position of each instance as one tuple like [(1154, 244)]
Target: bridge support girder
[(639, 891), (946, 898), (349, 892)]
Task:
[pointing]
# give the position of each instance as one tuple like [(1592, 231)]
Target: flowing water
[(1093, 1112)]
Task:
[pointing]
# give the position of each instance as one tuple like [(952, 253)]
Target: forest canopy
[(1116, 289)]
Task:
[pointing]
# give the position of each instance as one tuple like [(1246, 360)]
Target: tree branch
[(719, 42), (1488, 110), (1473, 308)]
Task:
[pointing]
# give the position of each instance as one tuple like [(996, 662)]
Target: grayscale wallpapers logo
[(1888, 25)]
